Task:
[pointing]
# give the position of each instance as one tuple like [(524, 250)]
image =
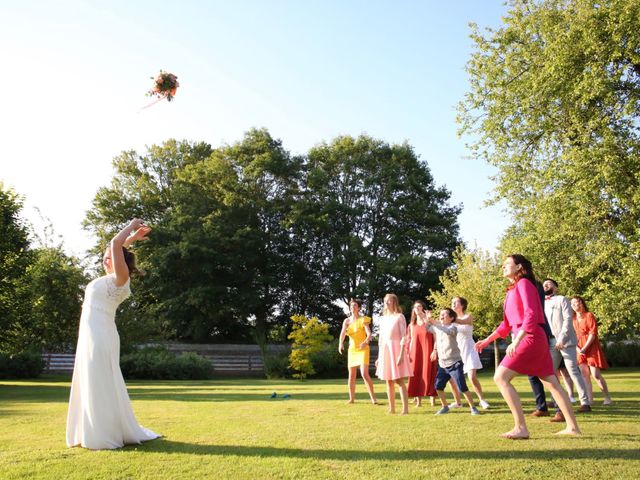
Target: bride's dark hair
[(130, 260)]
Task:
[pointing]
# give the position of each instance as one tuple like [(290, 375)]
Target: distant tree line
[(247, 235), (244, 236)]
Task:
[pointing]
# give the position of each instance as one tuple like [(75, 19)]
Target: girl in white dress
[(100, 414), (467, 346)]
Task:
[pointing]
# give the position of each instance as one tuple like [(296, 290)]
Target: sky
[(75, 72)]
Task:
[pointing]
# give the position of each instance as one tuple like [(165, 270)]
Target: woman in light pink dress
[(392, 364)]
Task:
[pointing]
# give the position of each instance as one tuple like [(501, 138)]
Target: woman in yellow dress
[(359, 332)]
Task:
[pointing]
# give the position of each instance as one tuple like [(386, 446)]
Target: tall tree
[(217, 262), (55, 284), (375, 221), (15, 258), (554, 104)]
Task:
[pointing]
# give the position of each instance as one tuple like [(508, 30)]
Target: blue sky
[(75, 74)]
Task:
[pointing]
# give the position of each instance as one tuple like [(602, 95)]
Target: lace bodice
[(103, 294)]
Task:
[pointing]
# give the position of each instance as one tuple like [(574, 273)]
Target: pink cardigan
[(522, 309)]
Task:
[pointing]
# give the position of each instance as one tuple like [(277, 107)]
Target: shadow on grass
[(625, 402), (168, 446)]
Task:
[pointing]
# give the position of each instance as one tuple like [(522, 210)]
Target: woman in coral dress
[(359, 332), (423, 369), (392, 364), (528, 353), (100, 415), (591, 358)]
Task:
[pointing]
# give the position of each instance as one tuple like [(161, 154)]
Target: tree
[(14, 261), (554, 106), (309, 336), (218, 260), (55, 285), (374, 221)]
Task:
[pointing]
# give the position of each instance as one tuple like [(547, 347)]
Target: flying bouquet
[(165, 85)]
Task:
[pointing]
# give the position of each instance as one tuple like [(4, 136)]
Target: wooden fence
[(228, 360)]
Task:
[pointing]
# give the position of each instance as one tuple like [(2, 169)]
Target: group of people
[(549, 335), (429, 352), (100, 414)]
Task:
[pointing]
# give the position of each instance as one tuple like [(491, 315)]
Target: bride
[(100, 414)]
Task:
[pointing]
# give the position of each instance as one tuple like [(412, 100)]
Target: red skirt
[(532, 356)]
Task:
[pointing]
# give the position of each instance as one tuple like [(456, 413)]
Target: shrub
[(309, 336), (27, 364), (276, 365), (158, 363), (622, 353), (328, 363)]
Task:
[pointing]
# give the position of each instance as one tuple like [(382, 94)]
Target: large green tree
[(55, 284), (217, 263), (15, 258), (554, 105), (374, 221)]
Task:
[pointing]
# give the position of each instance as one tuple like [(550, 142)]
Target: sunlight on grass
[(233, 429)]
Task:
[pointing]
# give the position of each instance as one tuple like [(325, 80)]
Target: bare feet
[(516, 434), (404, 413), (391, 412), (349, 401), (569, 431)]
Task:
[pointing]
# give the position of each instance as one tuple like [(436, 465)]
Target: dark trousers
[(538, 393)]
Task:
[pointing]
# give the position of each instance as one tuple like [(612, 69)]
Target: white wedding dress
[(100, 414)]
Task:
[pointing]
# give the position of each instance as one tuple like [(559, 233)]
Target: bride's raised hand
[(140, 234)]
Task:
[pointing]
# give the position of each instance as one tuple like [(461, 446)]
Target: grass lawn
[(232, 429)]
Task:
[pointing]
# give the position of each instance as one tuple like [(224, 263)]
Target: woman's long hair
[(526, 270), (414, 317), (395, 304), (130, 260)]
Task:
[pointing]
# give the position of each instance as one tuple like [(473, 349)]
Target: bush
[(21, 365), (328, 363), (276, 365), (623, 353), (158, 363), (309, 337)]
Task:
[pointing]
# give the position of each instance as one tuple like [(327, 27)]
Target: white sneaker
[(572, 399), (484, 404), (455, 405)]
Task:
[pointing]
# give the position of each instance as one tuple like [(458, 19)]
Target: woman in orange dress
[(591, 358), (423, 369)]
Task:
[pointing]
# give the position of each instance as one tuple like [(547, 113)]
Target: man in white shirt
[(558, 312)]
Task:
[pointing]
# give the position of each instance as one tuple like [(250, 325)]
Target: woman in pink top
[(392, 364), (528, 353)]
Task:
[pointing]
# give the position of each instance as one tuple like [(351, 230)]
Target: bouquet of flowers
[(165, 85)]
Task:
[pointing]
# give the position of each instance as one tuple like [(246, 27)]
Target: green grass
[(231, 429)]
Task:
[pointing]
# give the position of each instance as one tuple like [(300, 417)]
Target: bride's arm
[(117, 256)]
